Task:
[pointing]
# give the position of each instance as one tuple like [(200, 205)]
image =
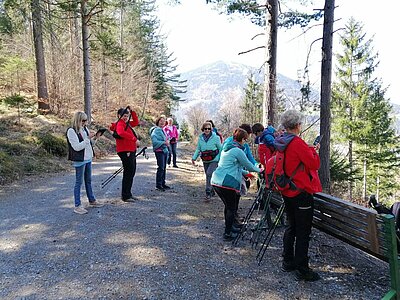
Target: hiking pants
[(230, 198)]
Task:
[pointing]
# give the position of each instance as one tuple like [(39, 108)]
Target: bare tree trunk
[(86, 60), (326, 92), (270, 66), (37, 28), (55, 73)]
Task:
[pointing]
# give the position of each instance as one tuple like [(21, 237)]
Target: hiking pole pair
[(109, 179), (271, 231)]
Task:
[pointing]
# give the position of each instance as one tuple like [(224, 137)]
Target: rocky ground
[(166, 245)]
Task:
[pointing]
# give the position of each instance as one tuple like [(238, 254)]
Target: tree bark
[(37, 28), (326, 92), (87, 90), (270, 66)]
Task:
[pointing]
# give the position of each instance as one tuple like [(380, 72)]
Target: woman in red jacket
[(301, 162), (126, 148)]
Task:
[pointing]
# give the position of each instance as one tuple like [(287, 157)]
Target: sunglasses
[(84, 120), (207, 129)]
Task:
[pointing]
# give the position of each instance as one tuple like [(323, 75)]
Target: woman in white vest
[(80, 151)]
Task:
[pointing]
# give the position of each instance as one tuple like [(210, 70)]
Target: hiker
[(301, 163), (214, 129), (265, 140), (245, 184), (172, 134), (208, 148), (126, 145), (80, 151), (160, 148), (227, 178)]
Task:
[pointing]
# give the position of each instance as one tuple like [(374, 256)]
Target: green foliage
[(340, 168), (14, 100), (252, 103), (53, 144), (256, 13), (184, 132), (361, 115)]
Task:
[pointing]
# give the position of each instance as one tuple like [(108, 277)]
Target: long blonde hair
[(79, 116)]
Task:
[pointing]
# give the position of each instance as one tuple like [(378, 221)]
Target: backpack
[(275, 173)]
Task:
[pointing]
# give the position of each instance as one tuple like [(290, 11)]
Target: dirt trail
[(167, 245)]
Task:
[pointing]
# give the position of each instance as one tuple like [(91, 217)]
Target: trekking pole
[(271, 231), (256, 204), (264, 220), (109, 179)]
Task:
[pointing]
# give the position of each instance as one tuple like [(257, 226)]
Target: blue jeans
[(172, 152), (162, 166), (84, 171)]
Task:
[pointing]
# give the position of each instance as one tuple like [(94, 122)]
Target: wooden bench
[(360, 227)]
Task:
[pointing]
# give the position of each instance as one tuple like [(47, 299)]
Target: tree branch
[(244, 52)]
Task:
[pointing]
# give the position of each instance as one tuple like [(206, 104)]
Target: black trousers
[(129, 164), (230, 199), (296, 239)]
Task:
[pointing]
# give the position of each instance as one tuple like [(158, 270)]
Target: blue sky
[(199, 35)]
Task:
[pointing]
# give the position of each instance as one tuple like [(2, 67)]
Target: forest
[(61, 56)]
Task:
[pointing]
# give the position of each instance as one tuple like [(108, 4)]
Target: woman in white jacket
[(80, 151)]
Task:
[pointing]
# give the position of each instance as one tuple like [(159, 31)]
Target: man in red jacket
[(126, 148), (302, 162)]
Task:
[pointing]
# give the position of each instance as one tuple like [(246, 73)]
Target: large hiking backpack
[(275, 173)]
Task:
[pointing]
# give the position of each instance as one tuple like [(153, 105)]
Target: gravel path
[(166, 245)]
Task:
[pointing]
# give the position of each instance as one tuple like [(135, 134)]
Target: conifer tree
[(361, 114)]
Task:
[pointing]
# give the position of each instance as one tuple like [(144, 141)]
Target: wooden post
[(391, 243)]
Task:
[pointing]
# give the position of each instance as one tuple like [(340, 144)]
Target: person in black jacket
[(80, 151)]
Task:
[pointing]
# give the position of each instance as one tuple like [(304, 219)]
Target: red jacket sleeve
[(135, 120)]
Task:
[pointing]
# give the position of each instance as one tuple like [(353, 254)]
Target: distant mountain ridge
[(210, 84)]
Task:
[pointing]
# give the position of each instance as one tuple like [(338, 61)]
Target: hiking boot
[(130, 199), (230, 236), (288, 266), (80, 210), (306, 275), (207, 198), (175, 166), (236, 229), (95, 204), (166, 187), (160, 188)]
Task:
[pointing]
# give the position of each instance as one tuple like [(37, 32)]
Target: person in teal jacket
[(209, 149), (227, 178), (160, 148), (246, 147)]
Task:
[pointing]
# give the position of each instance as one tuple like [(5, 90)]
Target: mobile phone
[(101, 131), (317, 140)]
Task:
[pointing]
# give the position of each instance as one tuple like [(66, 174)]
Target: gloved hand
[(249, 176)]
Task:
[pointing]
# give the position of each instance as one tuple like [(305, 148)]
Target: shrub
[(54, 145)]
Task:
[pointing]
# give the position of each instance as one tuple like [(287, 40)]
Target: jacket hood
[(152, 129), (231, 144), (283, 141)]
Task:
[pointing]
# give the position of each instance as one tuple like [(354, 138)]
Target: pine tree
[(361, 115)]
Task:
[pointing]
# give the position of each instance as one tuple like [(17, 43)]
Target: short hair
[(246, 127), (168, 119), (240, 134), (206, 124), (79, 116), (257, 127), (158, 120), (291, 118), (211, 122)]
